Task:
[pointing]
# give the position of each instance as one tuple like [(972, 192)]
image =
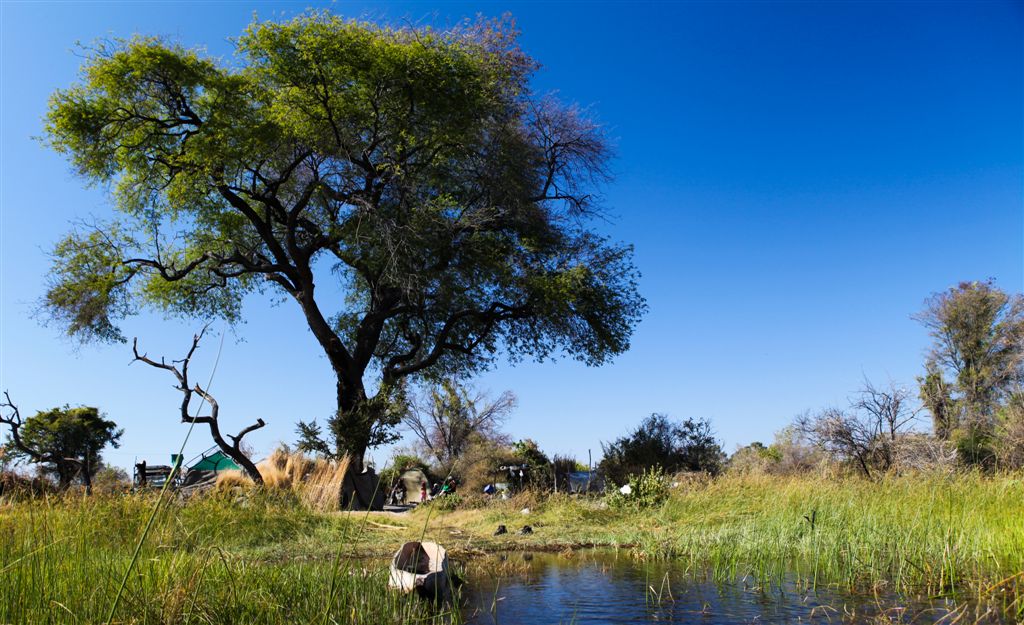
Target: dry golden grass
[(316, 482), (321, 490), (227, 480)]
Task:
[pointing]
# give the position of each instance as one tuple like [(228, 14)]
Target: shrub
[(446, 503), (646, 490), (687, 445), (316, 482)]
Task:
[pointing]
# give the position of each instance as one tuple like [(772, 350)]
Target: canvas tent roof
[(217, 461)]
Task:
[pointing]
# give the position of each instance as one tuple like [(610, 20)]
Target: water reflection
[(601, 587)]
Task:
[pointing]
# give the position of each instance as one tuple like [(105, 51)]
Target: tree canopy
[(438, 203), (975, 367), (659, 441), (446, 417), (66, 442)]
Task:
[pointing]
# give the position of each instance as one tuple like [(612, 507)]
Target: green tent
[(216, 461)]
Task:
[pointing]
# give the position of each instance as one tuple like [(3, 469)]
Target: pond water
[(602, 587)]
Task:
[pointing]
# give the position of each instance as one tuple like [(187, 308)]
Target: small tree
[(111, 479), (538, 471), (445, 419), (688, 445), (65, 442), (1010, 433)]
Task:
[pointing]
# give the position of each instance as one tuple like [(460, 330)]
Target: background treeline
[(966, 410)]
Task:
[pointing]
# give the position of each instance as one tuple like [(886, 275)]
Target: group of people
[(399, 493)]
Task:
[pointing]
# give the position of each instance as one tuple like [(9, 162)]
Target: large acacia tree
[(975, 368), (404, 186)]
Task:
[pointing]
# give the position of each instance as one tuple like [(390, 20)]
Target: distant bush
[(446, 503), (674, 446), (754, 458), (538, 473), (15, 486), (111, 480), (401, 463)]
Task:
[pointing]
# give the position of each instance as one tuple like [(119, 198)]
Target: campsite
[(379, 312)]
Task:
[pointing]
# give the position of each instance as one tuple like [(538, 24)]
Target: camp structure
[(412, 481), (200, 471), (584, 482), (421, 567), (204, 468), (362, 491)]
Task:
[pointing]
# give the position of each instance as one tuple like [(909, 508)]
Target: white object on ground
[(626, 490)]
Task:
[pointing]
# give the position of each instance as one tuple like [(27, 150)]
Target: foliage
[(660, 442), (753, 458), (1010, 433), (446, 502), (14, 487), (538, 471), (646, 490), (399, 464), (111, 479), (562, 466), (975, 365), (450, 201), (479, 464), (67, 442)]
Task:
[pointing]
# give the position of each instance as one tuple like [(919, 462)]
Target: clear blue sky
[(796, 178)]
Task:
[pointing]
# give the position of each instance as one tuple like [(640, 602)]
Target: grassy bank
[(265, 559)]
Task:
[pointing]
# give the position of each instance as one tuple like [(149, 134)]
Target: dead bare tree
[(842, 435), (444, 419), (867, 433), (38, 456), (232, 450), (889, 411)]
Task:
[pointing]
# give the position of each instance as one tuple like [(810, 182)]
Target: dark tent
[(414, 481), (362, 491)]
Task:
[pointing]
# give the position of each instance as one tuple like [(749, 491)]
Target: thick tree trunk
[(63, 476), (351, 425)]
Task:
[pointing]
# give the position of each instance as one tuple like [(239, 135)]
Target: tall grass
[(317, 482), (212, 560), (263, 556)]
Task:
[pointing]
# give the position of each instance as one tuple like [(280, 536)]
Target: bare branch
[(232, 450)]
